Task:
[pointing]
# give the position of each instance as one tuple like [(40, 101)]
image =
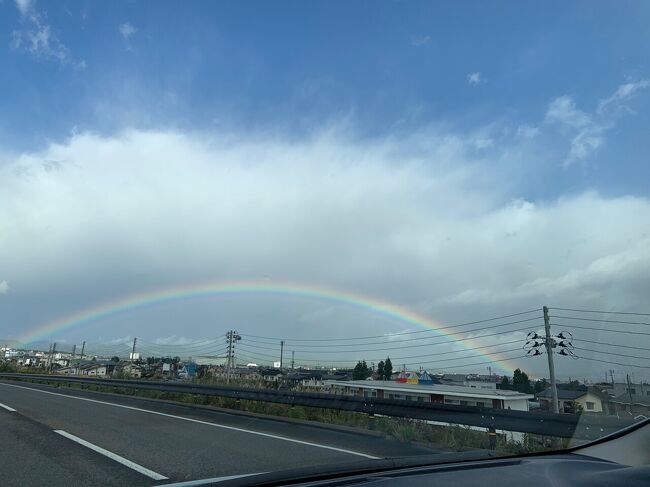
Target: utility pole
[(74, 350), (550, 343), (232, 337), (52, 352), (293, 356), (83, 347), (611, 374), (629, 391), (133, 350), (281, 352)]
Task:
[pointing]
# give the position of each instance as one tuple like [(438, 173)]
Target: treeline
[(520, 382), (384, 370)]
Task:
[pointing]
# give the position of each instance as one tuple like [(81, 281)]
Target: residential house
[(187, 370), (634, 405), (587, 399)]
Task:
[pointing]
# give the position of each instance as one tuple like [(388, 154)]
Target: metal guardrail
[(586, 426)]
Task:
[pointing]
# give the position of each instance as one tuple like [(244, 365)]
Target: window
[(420, 399), (463, 403), (480, 404), (590, 405)]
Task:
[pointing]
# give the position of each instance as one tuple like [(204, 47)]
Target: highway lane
[(183, 442), (31, 454)]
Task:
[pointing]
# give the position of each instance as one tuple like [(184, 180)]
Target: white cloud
[(527, 131), (420, 40), (404, 219), (127, 30), (475, 78), (4, 287), (24, 6), (176, 340), (36, 35), (624, 92), (588, 130)]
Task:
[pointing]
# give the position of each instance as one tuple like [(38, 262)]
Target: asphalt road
[(58, 436)]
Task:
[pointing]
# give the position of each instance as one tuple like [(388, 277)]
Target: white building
[(436, 393)]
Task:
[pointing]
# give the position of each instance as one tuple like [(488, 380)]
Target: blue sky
[(291, 66), (490, 156)]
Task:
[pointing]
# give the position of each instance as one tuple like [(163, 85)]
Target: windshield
[(311, 233)]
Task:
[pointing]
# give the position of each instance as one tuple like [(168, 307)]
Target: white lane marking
[(4, 406), (195, 483), (216, 425), (113, 456)]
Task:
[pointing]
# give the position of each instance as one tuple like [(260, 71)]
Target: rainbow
[(159, 296)]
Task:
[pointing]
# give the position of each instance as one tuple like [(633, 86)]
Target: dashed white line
[(4, 406), (216, 425), (113, 456)]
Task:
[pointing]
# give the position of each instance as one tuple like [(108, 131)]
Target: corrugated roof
[(433, 389)]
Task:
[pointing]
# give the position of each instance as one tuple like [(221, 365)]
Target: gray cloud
[(401, 220)]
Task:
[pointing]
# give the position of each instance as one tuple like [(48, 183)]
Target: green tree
[(388, 368), (540, 386), (115, 359), (361, 371), (380, 370), (505, 383), (521, 382)]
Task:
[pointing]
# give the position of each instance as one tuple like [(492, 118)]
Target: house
[(436, 393), (426, 379), (187, 370), (615, 389), (635, 404), (586, 399), (474, 381), (306, 378), (131, 369), (271, 375), (97, 368)]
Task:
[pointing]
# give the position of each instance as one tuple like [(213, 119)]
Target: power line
[(610, 344), (387, 338), (613, 353), (615, 363), (602, 329), (196, 344), (602, 321), (405, 332), (484, 363), (183, 350), (601, 312), (469, 349), (433, 361), (406, 346)]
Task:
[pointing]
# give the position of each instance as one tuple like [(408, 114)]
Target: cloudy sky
[(458, 162)]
